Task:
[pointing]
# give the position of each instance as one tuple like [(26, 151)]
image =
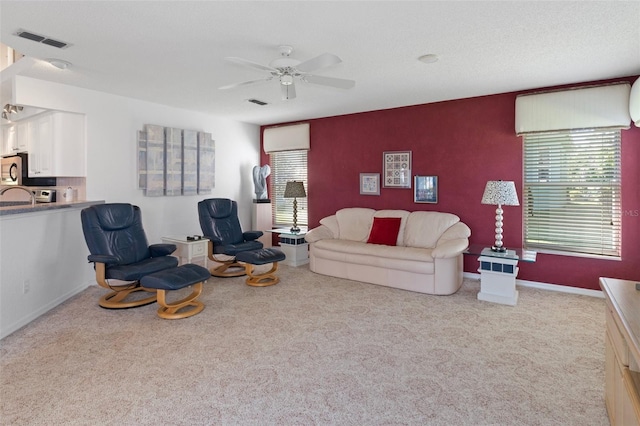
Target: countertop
[(41, 207)]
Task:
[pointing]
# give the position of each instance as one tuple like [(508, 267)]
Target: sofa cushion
[(384, 231), (354, 223), (408, 259), (425, 228), (402, 214)]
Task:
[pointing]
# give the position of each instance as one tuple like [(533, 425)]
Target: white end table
[(498, 272), (293, 245), (188, 251)]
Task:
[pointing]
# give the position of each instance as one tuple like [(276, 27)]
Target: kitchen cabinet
[(8, 139), (15, 138), (57, 145), (22, 137)]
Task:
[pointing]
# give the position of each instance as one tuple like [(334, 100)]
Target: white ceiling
[(172, 52)]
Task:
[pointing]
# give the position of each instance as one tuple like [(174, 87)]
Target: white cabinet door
[(9, 141), (40, 146), (56, 145), (22, 136)]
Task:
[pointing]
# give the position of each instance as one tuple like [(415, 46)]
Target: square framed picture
[(425, 189), (396, 166), (369, 183)]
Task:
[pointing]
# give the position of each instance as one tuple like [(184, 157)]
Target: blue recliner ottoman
[(175, 279), (261, 257)]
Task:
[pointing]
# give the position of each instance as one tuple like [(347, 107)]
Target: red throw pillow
[(384, 231)]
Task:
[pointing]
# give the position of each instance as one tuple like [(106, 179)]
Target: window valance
[(286, 138), (580, 108)]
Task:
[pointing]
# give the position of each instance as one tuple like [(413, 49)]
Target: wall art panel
[(189, 162), (174, 161), (206, 163)]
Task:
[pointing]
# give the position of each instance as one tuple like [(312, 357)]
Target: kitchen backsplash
[(77, 183)]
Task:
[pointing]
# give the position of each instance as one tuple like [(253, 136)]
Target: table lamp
[(500, 193), (295, 189)]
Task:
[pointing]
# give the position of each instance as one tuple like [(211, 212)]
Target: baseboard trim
[(546, 286)]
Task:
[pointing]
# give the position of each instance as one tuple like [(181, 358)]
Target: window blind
[(572, 191), (286, 166)]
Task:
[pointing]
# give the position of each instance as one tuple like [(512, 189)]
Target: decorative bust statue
[(260, 181)]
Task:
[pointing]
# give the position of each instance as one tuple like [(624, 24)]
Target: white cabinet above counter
[(55, 142), (57, 145)]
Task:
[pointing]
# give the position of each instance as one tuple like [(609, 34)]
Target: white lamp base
[(497, 246)]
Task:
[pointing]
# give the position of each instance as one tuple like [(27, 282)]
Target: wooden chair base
[(179, 309), (263, 279), (236, 270), (116, 298)]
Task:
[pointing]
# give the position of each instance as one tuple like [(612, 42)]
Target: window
[(286, 166), (572, 191)]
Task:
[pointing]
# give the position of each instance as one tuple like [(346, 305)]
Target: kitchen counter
[(22, 208), (43, 262)]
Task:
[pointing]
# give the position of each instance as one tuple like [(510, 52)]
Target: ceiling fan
[(287, 69)]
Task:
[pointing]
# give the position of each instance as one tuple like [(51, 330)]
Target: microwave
[(15, 171)]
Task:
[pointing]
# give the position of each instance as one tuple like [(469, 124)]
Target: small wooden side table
[(188, 251)]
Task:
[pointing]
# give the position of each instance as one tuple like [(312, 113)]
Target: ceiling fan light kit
[(287, 69)]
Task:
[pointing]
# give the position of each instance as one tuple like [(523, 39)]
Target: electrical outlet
[(26, 286)]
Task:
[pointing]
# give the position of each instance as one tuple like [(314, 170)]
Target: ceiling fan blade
[(340, 83), (288, 91), (322, 61), (245, 83), (250, 64)]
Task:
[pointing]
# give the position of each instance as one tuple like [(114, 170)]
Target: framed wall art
[(369, 183), (397, 169), (425, 189)]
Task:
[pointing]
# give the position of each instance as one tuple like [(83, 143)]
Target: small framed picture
[(425, 189), (369, 183), (397, 169)]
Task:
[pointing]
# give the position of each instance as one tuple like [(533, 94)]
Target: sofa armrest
[(459, 230), (320, 233), (450, 248)]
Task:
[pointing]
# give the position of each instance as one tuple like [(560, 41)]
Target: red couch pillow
[(384, 231)]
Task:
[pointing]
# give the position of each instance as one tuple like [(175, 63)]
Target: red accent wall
[(465, 143)]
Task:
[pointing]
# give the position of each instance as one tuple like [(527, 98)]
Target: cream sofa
[(427, 257)]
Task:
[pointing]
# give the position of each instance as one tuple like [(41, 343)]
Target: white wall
[(44, 251), (112, 125)]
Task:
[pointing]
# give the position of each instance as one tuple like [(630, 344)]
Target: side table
[(188, 251), (498, 272), (293, 245)]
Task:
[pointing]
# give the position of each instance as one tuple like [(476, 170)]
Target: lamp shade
[(294, 189), (499, 192)]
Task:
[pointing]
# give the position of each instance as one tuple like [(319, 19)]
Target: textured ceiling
[(172, 52)]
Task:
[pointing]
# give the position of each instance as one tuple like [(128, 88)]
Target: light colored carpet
[(311, 350)]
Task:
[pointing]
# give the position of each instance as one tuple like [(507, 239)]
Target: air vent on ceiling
[(257, 102), (42, 39)]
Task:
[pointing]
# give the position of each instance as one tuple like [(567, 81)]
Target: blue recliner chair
[(120, 252), (220, 224)]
